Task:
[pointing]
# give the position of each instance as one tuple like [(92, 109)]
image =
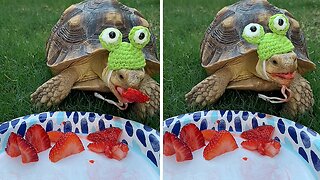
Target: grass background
[(24, 29), (185, 22)]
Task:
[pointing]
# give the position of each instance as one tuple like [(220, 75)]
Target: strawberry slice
[(134, 95), (118, 151), (183, 152), (54, 136), (67, 145), (112, 134), (209, 134), (263, 133), (38, 137), (168, 149), (251, 145), (192, 136), (28, 152), (99, 147), (270, 148), (12, 147), (220, 145)]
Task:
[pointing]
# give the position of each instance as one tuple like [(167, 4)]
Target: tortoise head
[(277, 61), (126, 61)]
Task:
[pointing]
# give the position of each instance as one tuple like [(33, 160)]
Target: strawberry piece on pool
[(134, 95)]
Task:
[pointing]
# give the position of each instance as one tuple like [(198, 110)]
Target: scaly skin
[(151, 88), (210, 89), (55, 89), (302, 97)]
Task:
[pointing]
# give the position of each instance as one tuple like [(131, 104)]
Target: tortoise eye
[(253, 32), (139, 36), (110, 38), (279, 24)]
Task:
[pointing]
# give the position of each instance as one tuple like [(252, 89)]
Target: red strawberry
[(183, 152), (28, 152), (220, 145), (12, 148), (263, 133), (134, 95), (67, 145), (38, 137), (209, 134), (271, 148), (192, 136), (251, 145), (118, 151), (99, 147), (168, 149), (54, 136), (112, 133)]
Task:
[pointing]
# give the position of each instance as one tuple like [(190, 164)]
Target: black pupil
[(141, 36), (253, 29), (280, 22), (112, 34)]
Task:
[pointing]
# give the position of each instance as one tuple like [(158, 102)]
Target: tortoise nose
[(286, 62), (132, 78)]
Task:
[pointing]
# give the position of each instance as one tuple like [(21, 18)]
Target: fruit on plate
[(168, 149), (192, 136), (67, 145), (263, 133), (209, 134), (260, 139), (183, 152), (99, 147), (38, 137), (134, 95), (12, 147), (54, 136), (28, 152), (118, 151), (112, 133), (220, 144)]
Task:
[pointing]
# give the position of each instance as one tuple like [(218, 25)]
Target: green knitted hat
[(269, 44), (123, 55)]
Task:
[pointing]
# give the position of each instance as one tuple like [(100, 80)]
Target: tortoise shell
[(75, 37), (223, 42)]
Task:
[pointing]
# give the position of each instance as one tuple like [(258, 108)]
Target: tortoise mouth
[(282, 78), (118, 91)]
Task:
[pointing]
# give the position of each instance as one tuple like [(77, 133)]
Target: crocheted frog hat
[(269, 44), (124, 55)]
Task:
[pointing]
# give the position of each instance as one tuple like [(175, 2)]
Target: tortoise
[(77, 59), (237, 54)]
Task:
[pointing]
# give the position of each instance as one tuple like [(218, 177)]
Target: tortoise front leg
[(151, 88), (55, 89), (302, 97), (210, 89)]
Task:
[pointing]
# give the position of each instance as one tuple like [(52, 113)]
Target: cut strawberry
[(134, 95), (263, 133), (118, 151), (220, 145), (67, 145), (251, 145), (12, 148), (38, 137), (112, 133), (99, 147), (271, 148), (209, 134), (183, 152), (168, 149), (54, 136), (192, 136), (28, 152)]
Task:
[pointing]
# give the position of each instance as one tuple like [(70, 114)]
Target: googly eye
[(110, 35), (139, 36), (279, 24), (252, 32)]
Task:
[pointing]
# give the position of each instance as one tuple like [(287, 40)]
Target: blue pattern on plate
[(203, 124), (146, 138), (294, 136)]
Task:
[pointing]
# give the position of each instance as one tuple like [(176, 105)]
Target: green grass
[(185, 22), (24, 30)]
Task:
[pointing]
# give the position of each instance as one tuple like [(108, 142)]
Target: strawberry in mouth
[(288, 76), (131, 95)]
